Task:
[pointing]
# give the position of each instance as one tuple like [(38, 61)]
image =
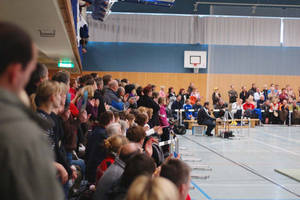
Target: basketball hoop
[(196, 68)]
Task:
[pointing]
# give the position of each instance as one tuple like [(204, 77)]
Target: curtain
[(291, 32), (186, 29)]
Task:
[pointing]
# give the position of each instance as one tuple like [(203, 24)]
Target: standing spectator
[(162, 91), (252, 90), (176, 105), (216, 96), (265, 91), (232, 94), (29, 149), (244, 94), (39, 75), (183, 95)]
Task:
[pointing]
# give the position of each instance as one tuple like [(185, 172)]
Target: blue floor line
[(200, 190)]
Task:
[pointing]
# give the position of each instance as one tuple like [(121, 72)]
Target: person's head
[(73, 83), (253, 85), (136, 134), (130, 118), (265, 86), (48, 95), (39, 75), (128, 150), (62, 77), (250, 99), (283, 90), (178, 98), (232, 87), (89, 89), (187, 101), (162, 88), (216, 89), (113, 85), (63, 93), (284, 102), (206, 105), (257, 90), (106, 118), (276, 87), (240, 101), (267, 102), (198, 102), (244, 88), (139, 164), (148, 188), (125, 81), (94, 75), (114, 143), (147, 91), (99, 83), (155, 95), (182, 91), (141, 119), (121, 91), (262, 97), (113, 129), (177, 172), (124, 127), (106, 79), (171, 90), (221, 102), (18, 57), (161, 100)]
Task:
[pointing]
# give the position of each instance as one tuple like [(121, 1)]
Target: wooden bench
[(221, 124), (190, 122)]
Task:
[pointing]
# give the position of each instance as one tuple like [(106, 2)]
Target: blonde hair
[(45, 90), (114, 143), (147, 188), (89, 89), (63, 88)]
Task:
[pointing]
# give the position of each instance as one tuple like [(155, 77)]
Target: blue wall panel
[(137, 57)]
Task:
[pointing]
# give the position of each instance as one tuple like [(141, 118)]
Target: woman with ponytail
[(113, 146)]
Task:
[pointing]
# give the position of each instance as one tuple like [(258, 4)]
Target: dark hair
[(206, 103), (130, 116), (139, 164), (40, 72), (61, 77), (124, 80), (155, 95), (116, 115), (160, 100), (139, 91), (170, 88), (106, 79), (141, 119), (136, 134), (15, 46), (181, 90), (105, 118), (176, 171), (147, 90), (90, 82), (94, 75), (99, 81)]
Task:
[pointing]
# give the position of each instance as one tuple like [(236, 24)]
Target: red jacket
[(247, 106)]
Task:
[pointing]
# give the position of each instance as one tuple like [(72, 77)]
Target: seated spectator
[(257, 95), (197, 106), (124, 127), (260, 102), (296, 113), (113, 129), (284, 112), (138, 165), (274, 107), (111, 97), (176, 105), (178, 173), (187, 106), (147, 101), (95, 152), (112, 145), (248, 105), (114, 172), (204, 118), (220, 107), (130, 118), (136, 134), (266, 108), (148, 188), (237, 109), (284, 95)]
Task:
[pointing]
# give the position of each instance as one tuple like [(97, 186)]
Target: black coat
[(203, 117), (148, 102)]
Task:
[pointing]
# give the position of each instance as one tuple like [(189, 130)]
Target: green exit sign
[(65, 64)]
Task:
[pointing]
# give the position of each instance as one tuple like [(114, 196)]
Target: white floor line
[(276, 147)]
